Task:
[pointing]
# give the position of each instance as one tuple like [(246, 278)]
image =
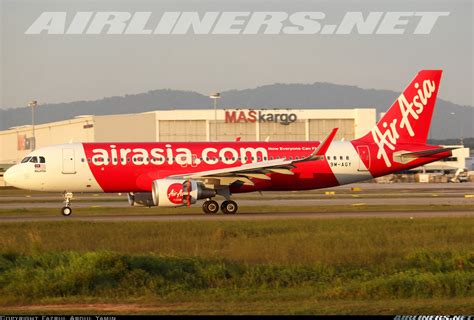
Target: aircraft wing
[(258, 170)]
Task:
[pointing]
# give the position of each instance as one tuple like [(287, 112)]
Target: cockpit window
[(42, 160), (25, 160), (34, 160)]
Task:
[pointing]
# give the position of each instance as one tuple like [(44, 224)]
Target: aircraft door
[(69, 166), (364, 158)]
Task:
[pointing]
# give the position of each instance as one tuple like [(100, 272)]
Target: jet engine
[(140, 199), (179, 192)]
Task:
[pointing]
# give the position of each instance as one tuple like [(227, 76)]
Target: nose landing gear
[(67, 210)]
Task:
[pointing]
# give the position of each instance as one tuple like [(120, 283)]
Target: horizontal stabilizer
[(426, 153), (408, 156)]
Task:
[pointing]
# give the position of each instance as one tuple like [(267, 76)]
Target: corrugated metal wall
[(182, 130)]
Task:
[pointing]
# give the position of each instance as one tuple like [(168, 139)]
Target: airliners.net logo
[(233, 23)]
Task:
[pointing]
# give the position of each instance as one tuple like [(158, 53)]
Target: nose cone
[(11, 176)]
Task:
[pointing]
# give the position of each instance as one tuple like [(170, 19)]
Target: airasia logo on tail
[(175, 193), (409, 110)]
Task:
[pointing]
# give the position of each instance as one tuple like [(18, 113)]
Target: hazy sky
[(62, 68)]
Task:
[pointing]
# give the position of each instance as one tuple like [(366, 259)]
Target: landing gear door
[(364, 158), (69, 166)]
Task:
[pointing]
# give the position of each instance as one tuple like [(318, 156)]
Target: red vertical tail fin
[(409, 118)]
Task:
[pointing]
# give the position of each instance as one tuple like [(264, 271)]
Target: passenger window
[(341, 158), (334, 158), (329, 157), (347, 157), (34, 160)]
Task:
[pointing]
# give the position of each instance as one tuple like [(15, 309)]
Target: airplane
[(177, 174)]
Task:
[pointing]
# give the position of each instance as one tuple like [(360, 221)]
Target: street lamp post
[(461, 140), (32, 104), (215, 96)]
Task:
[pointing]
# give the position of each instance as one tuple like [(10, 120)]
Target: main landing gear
[(67, 210), (212, 207)]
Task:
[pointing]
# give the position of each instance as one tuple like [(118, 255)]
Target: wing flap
[(281, 171), (217, 181)]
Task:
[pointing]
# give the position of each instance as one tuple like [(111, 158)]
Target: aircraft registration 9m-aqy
[(179, 174)]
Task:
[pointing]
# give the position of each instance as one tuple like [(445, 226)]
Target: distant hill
[(450, 120)]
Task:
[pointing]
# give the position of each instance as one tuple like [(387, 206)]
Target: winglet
[(320, 151)]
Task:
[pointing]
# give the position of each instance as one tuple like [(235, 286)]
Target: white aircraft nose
[(11, 176)]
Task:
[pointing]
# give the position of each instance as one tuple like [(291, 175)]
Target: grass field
[(287, 267)]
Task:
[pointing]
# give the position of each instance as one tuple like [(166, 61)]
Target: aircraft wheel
[(210, 207), (204, 207), (229, 207), (66, 211)]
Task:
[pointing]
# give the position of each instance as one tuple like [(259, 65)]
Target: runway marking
[(244, 216)]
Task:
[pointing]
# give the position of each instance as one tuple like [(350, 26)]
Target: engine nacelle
[(141, 199), (175, 192)]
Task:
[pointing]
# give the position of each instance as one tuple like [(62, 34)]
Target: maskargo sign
[(236, 116)]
